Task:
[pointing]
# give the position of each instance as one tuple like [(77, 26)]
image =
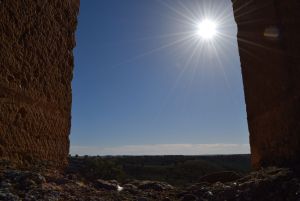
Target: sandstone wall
[(269, 43), (36, 64)]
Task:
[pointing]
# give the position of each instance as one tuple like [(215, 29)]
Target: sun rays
[(203, 20), (203, 38)]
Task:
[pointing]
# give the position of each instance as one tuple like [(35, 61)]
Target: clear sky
[(146, 82)]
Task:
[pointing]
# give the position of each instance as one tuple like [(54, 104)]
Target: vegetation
[(176, 170)]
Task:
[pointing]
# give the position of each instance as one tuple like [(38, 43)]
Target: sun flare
[(206, 29)]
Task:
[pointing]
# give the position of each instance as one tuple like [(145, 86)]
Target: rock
[(8, 196), (142, 199), (280, 185), (154, 185), (226, 176), (26, 183), (189, 197), (38, 178), (72, 177), (115, 182), (61, 181), (130, 188), (5, 184), (102, 184)]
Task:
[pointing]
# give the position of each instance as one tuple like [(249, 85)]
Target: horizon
[(208, 155), (163, 149)]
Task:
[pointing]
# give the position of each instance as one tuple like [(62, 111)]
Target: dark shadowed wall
[(36, 65), (269, 43)]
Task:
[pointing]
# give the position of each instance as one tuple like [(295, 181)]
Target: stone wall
[(269, 43), (36, 65)]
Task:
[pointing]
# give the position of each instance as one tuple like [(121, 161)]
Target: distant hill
[(176, 170)]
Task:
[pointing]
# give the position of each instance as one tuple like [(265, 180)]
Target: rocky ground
[(271, 184)]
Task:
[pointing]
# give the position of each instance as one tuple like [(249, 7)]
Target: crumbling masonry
[(269, 43), (36, 65)]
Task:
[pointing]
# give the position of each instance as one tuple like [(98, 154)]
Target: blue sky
[(144, 83)]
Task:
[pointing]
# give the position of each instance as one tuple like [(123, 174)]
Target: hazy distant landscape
[(176, 170)]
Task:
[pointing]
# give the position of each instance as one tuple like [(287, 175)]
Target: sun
[(206, 29)]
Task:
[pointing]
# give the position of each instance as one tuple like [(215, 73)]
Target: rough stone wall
[(269, 43), (36, 64)]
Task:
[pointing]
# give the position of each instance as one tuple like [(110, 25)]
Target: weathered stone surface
[(270, 184), (269, 44), (36, 64), (226, 176)]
